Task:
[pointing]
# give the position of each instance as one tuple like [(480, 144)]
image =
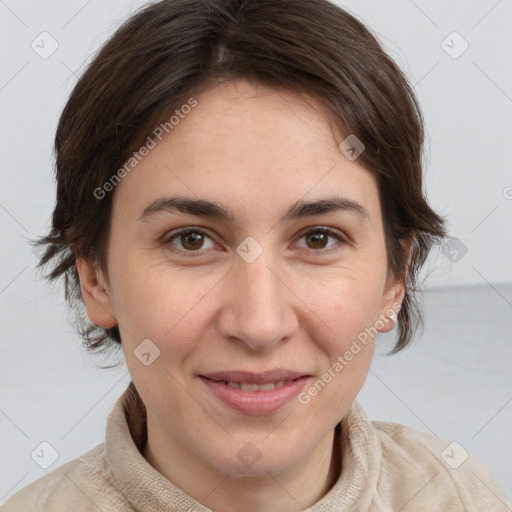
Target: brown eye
[(317, 239), (194, 242), (190, 240)]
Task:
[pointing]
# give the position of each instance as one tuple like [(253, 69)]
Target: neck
[(293, 490)]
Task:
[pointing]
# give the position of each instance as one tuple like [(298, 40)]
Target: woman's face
[(265, 292)]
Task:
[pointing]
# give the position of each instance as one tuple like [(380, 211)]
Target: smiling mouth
[(251, 386), (255, 393)]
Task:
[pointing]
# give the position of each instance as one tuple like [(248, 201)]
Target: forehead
[(248, 146), (241, 114)]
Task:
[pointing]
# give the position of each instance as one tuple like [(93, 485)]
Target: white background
[(451, 382)]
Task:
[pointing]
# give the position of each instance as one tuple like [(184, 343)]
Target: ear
[(95, 294), (395, 292)]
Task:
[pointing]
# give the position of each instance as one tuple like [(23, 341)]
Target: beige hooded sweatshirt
[(386, 467)]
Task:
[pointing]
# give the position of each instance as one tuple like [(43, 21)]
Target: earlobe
[(390, 314), (395, 292), (391, 303), (95, 294)]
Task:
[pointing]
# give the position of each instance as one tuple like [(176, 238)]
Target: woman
[(240, 209)]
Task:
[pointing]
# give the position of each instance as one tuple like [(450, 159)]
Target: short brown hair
[(170, 50)]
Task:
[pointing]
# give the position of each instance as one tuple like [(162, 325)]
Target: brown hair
[(170, 50)]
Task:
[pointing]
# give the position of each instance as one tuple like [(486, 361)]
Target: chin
[(250, 461), (260, 469)]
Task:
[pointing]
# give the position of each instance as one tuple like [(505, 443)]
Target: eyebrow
[(213, 210)]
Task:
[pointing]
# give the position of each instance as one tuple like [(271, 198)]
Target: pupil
[(316, 238), (195, 238)]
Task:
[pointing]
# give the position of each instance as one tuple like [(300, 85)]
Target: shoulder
[(432, 472), (81, 485)]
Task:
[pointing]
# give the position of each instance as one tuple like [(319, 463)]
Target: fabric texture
[(386, 467)]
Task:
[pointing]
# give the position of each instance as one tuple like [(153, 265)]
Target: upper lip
[(255, 378)]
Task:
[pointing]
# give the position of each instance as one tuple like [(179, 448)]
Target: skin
[(298, 306)]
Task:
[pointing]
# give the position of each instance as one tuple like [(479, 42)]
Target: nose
[(258, 309)]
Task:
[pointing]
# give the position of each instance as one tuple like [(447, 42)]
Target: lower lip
[(256, 402)]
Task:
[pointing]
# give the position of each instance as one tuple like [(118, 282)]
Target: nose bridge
[(259, 311)]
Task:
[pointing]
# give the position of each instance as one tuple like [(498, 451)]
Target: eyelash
[(200, 253)]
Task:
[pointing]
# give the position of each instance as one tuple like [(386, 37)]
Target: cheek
[(344, 305), (342, 331), (160, 303)]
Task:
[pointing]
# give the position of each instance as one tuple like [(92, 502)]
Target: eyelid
[(188, 229), (332, 232), (343, 239)]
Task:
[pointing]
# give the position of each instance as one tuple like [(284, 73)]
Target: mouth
[(247, 386), (255, 393), (252, 381)]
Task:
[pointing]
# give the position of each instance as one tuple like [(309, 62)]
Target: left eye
[(192, 240), (319, 236)]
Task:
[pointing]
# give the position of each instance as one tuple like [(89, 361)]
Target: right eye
[(191, 241)]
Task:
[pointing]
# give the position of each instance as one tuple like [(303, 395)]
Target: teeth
[(243, 386), (267, 387), (249, 387)]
